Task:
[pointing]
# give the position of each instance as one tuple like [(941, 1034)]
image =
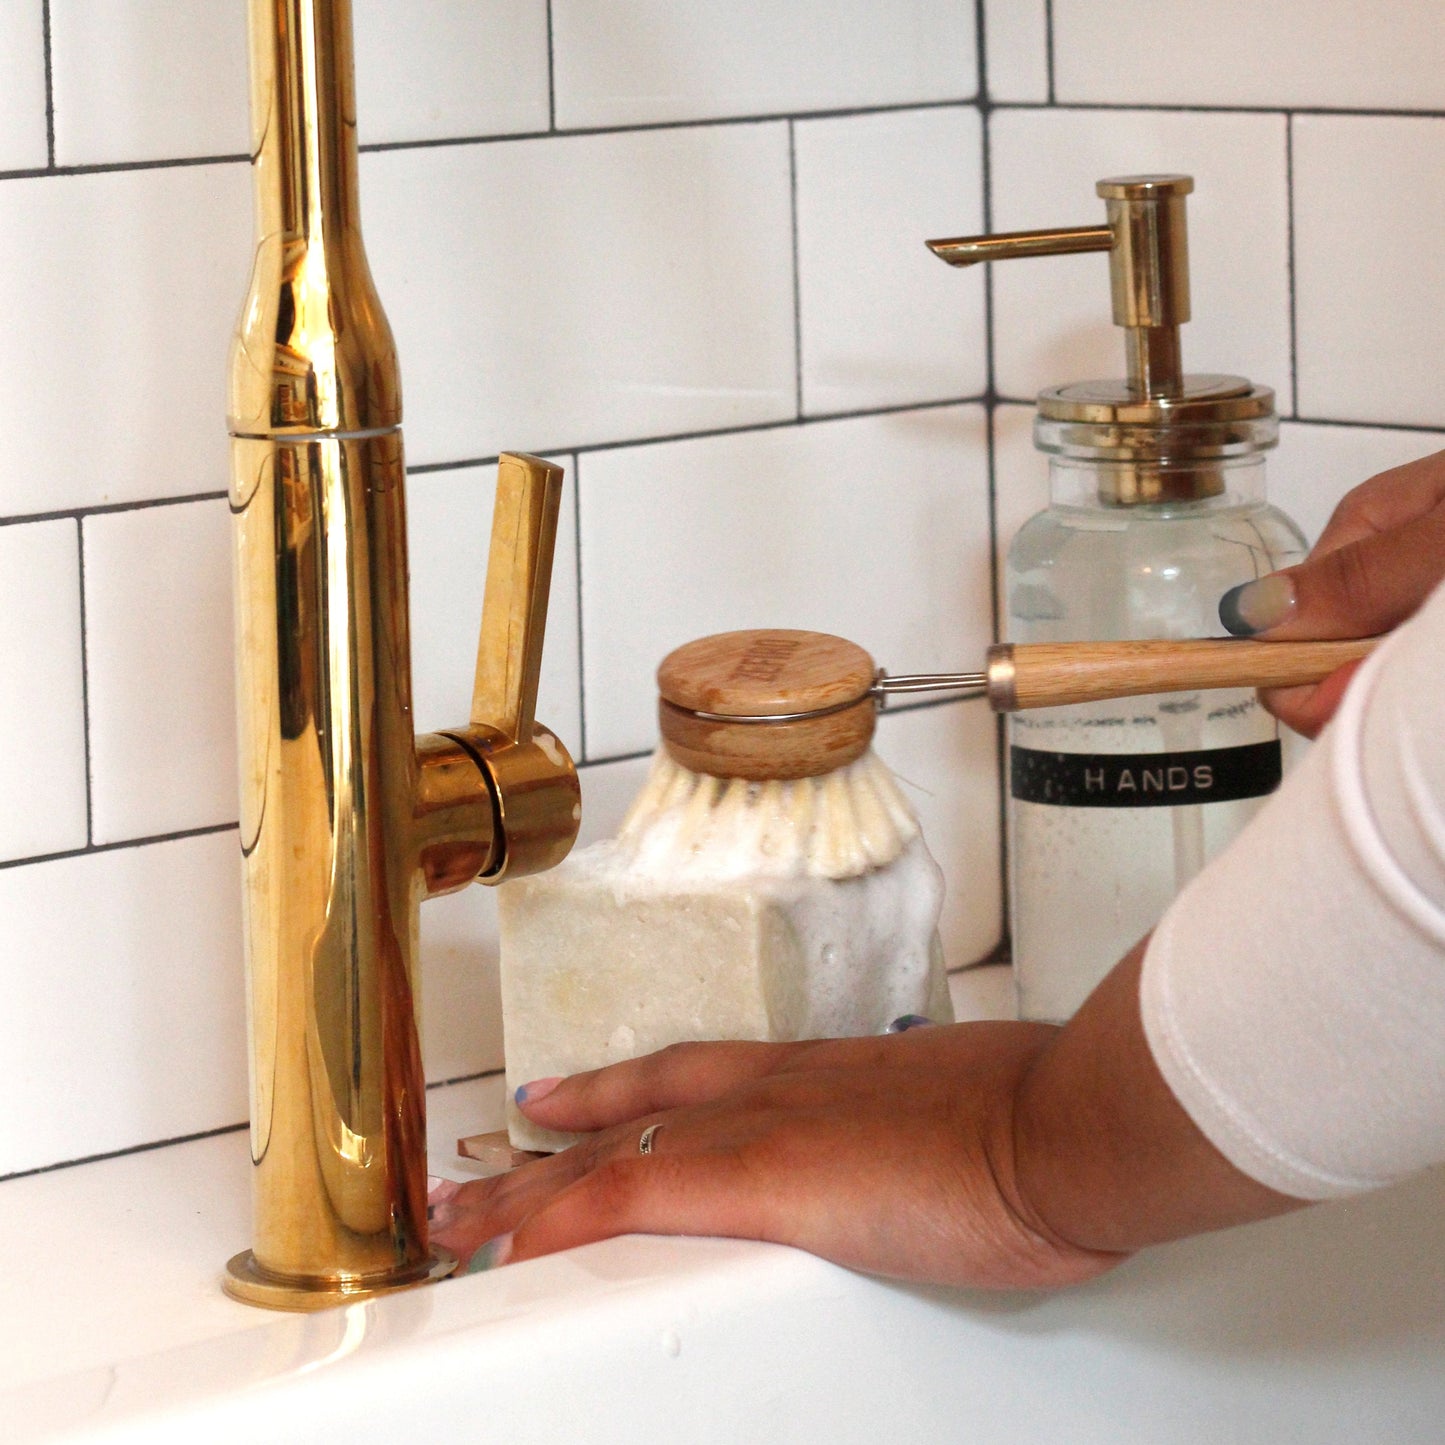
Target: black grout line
[(145, 1148), (711, 122), (781, 424), (708, 122), (1290, 265), (987, 399), (797, 269), (581, 631), (96, 848), (612, 758), (105, 509), (222, 1129), (49, 86), (465, 1079), (85, 688), (1424, 428), (121, 844), (551, 73), (1195, 108), (1049, 48), (105, 168), (496, 138)]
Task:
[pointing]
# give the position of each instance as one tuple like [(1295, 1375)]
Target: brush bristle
[(840, 825)]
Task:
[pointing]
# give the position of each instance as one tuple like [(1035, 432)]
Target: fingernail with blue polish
[(536, 1090), (1255, 607), (908, 1021), (491, 1255)]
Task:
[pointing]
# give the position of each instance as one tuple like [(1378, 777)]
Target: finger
[(496, 1206), (1360, 589), (1385, 501), (786, 1184), (675, 1076), (694, 1073), (1308, 709), (487, 1207), (712, 1193), (726, 1126)]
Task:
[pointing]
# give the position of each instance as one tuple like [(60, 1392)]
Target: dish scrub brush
[(770, 880)]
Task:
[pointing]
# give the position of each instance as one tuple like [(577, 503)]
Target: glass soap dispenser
[(1157, 508)]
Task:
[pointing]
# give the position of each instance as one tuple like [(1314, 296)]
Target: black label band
[(1144, 780)]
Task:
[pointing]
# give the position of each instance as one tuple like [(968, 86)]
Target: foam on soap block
[(725, 909)]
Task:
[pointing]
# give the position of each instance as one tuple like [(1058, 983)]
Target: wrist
[(1028, 1171), (1043, 1254)]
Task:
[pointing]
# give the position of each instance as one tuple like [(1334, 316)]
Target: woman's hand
[(1381, 555), (892, 1155), (997, 1155)]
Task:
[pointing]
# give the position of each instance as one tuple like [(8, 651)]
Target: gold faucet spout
[(348, 819)]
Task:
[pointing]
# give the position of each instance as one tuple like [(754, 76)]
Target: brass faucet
[(348, 819)]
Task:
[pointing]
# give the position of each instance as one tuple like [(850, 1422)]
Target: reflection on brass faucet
[(349, 820)]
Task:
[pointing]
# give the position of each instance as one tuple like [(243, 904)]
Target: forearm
[(1105, 1155)]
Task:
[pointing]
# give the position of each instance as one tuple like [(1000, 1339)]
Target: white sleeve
[(1293, 995)]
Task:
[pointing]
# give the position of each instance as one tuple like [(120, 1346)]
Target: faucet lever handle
[(514, 609)]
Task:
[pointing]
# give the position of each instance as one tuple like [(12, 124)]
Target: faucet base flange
[(248, 1282)]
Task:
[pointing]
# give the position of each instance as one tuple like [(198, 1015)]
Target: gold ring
[(644, 1144)]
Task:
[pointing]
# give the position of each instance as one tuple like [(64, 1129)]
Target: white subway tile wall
[(42, 691), (23, 143), (439, 69), (715, 310), (883, 324), (1018, 50), (147, 80), (798, 526), (125, 286), (158, 644), (121, 1019), (640, 62), (586, 289), (1363, 301), (1332, 54)]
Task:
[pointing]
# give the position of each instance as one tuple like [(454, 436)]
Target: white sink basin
[(1326, 1326)]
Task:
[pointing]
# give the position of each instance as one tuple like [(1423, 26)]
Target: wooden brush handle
[(1049, 674)]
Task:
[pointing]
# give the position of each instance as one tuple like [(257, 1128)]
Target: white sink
[(1326, 1326)]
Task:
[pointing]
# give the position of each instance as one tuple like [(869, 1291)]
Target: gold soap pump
[(1157, 509), (1158, 432)]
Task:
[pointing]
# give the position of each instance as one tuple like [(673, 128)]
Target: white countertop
[(1329, 1325)]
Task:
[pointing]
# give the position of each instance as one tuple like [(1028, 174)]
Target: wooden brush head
[(766, 673)]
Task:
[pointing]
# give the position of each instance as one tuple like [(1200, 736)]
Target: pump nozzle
[(1147, 241)]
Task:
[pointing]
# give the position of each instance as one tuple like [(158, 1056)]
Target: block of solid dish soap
[(690, 925)]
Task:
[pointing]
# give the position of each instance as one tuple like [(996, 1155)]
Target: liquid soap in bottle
[(1157, 507)]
